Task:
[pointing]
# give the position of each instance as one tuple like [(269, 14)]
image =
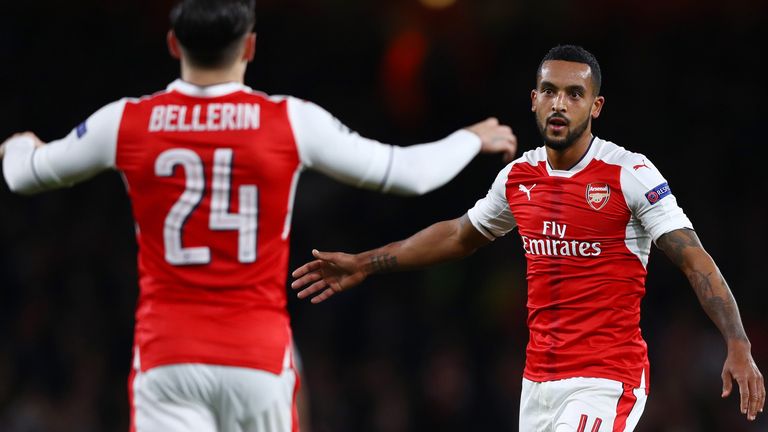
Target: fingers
[(323, 296), (29, 135), (756, 396), (306, 268), (744, 395), (761, 391), (318, 286), (324, 256), (312, 289), (21, 135), (306, 279), (727, 384), (752, 396), (754, 400)]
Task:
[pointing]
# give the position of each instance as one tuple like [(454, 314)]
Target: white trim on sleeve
[(491, 215), (658, 216)]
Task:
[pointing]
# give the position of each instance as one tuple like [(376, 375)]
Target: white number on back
[(245, 222)]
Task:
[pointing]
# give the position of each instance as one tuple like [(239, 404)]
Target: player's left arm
[(683, 247)]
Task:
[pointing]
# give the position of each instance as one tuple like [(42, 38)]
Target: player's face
[(564, 102)]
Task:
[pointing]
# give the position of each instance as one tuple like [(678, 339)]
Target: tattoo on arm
[(383, 263), (675, 243), (685, 250)]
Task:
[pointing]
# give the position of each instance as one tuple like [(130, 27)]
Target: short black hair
[(577, 54), (210, 30)]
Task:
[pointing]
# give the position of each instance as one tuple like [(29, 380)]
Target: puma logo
[(525, 190), (638, 166)]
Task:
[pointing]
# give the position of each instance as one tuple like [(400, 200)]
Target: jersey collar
[(210, 91), (580, 165)]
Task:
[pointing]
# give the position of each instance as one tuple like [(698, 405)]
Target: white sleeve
[(491, 215), (327, 146), (651, 201), (87, 150)]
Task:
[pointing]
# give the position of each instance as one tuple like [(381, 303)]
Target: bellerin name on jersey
[(555, 247), (204, 117)]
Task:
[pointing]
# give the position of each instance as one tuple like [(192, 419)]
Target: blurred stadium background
[(440, 349)]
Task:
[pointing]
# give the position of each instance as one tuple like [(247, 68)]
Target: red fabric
[(623, 408), (582, 423), (131, 376), (224, 312), (584, 291), (294, 408)]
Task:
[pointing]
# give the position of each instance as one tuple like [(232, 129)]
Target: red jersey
[(210, 181), (586, 233), (211, 173)]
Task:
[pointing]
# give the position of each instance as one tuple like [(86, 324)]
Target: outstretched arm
[(36, 142), (31, 166), (683, 247), (333, 272), (327, 146)]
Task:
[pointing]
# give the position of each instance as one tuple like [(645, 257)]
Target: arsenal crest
[(598, 194)]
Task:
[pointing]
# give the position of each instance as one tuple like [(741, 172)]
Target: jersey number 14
[(245, 221)]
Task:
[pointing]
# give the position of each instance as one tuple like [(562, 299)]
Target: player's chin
[(557, 142)]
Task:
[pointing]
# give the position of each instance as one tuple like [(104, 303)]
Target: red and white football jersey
[(211, 173), (586, 233)]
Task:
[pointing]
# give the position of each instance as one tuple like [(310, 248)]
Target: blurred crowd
[(435, 350)]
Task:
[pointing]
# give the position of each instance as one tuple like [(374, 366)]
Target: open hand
[(330, 273), (740, 366), (496, 138)]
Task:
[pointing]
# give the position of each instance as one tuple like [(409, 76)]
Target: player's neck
[(208, 77), (566, 158)]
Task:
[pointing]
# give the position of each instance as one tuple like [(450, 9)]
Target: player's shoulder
[(614, 154), (530, 158), (270, 98), (229, 90), (633, 165)]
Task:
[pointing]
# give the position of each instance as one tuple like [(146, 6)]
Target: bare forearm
[(717, 301), (441, 242), (685, 250)]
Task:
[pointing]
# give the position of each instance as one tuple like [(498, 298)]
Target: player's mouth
[(557, 123)]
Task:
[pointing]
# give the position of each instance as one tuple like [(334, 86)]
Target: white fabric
[(323, 142), (72, 159), (558, 406), (491, 215), (17, 166), (656, 219), (326, 145), (210, 398)]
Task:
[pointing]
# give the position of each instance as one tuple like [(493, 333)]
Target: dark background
[(440, 349)]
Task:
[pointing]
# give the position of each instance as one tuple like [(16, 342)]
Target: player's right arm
[(31, 166), (329, 147), (333, 272)]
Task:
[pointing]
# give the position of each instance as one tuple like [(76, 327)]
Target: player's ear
[(250, 47), (533, 99), (173, 45), (597, 106)]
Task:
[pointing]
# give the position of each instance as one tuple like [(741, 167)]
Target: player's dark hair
[(209, 31), (577, 54)]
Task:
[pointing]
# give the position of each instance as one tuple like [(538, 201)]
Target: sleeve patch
[(81, 130), (659, 192)]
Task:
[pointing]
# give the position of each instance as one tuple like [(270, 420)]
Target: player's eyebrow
[(576, 87), (546, 84)]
